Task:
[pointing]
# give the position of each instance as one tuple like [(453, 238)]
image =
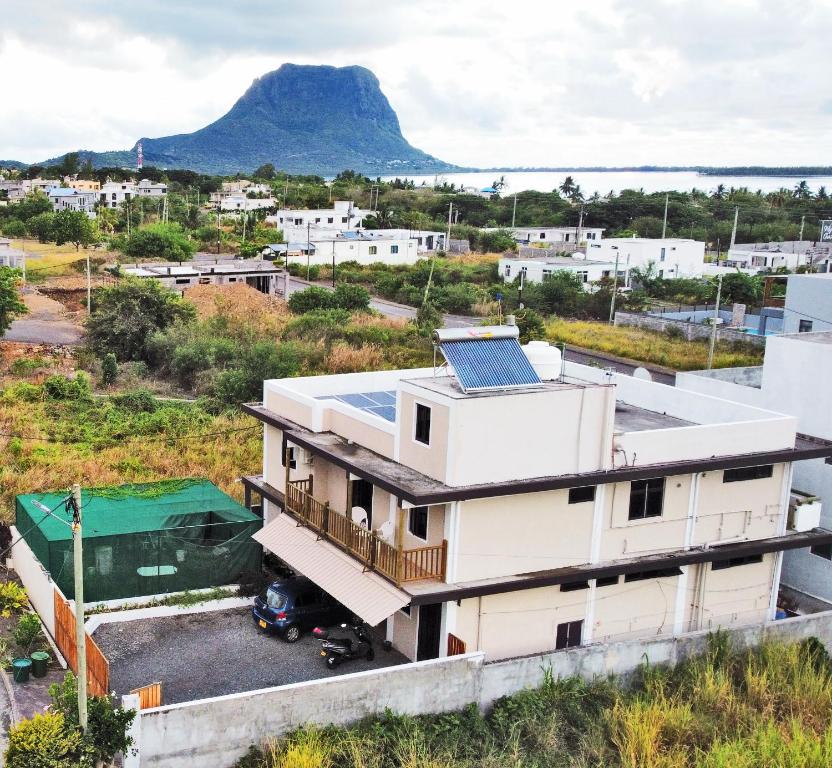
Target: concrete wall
[(689, 331), (218, 731), (36, 579), (809, 298)]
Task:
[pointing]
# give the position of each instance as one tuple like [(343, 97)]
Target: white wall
[(536, 271), (404, 251), (681, 258), (36, 579)]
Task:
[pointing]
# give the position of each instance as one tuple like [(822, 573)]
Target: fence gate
[(98, 668), (149, 695)]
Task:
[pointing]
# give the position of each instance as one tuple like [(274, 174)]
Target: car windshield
[(275, 599)]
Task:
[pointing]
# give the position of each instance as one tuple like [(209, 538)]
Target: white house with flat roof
[(244, 203), (513, 503), (554, 236), (113, 193), (257, 273), (11, 257), (148, 188), (537, 270), (672, 256), (808, 305), (343, 215), (67, 198), (364, 247)]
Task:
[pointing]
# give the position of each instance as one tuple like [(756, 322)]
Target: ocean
[(604, 181)]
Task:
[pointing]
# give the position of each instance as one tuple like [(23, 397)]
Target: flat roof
[(631, 418), (815, 337)]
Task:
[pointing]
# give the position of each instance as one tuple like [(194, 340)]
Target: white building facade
[(672, 257), (114, 193), (343, 215), (537, 270), (66, 198)]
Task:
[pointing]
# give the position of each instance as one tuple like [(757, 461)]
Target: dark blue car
[(292, 606)]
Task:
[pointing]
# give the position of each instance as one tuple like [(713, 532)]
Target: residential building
[(11, 257), (514, 503), (17, 189), (808, 304), (671, 256), (535, 270), (427, 241), (244, 203), (258, 273), (147, 188), (788, 381), (362, 246), (344, 214), (554, 236), (241, 188), (114, 193), (772, 256), (66, 198), (83, 185)]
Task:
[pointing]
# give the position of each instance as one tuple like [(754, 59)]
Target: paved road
[(211, 654), (46, 323)]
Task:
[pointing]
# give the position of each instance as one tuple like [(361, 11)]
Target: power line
[(117, 441), (23, 535)]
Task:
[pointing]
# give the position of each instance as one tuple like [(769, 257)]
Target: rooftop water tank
[(545, 359)]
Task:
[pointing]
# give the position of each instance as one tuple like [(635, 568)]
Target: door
[(362, 496), (430, 619)]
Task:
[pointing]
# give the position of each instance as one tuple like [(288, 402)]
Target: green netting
[(145, 539)]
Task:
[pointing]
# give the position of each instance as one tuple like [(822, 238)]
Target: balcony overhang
[(409, 485), (425, 592)]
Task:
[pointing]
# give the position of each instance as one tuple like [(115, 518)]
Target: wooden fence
[(398, 565), (98, 668), (149, 695), (456, 647)]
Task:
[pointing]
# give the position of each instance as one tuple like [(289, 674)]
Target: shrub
[(45, 741), (311, 299), (14, 228), (136, 401), (351, 297), (320, 324), (166, 242), (12, 597), (27, 629), (62, 388), (109, 368), (23, 366)]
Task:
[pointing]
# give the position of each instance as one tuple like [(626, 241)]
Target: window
[(805, 326), (394, 249), (542, 235), (293, 460), (344, 219), (547, 273), (330, 220), (406, 610), (422, 433), (508, 270), (582, 494), (747, 473), (733, 562), (569, 634), (183, 281), (822, 550), (232, 279), (659, 573), (574, 586), (373, 250), (317, 219), (297, 221), (646, 498), (417, 523), (662, 254), (606, 581), (583, 276)]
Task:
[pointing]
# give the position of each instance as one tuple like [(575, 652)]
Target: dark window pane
[(747, 473), (646, 498), (822, 550), (658, 573), (733, 562), (422, 424), (568, 634), (582, 494), (607, 581), (572, 586), (418, 522)]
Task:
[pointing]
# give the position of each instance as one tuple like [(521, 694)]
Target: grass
[(762, 708), (651, 346), (45, 260)]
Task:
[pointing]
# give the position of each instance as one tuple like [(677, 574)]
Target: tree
[(10, 304), (498, 241), (73, 227), (568, 186), (69, 165), (14, 228), (109, 368), (165, 242), (740, 288), (265, 171), (33, 204), (802, 190), (127, 314), (40, 226)]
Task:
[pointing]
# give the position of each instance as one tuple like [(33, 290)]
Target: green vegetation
[(26, 630), (162, 242), (768, 707), (10, 304), (73, 227), (12, 597)]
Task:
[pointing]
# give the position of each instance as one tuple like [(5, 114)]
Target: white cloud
[(476, 83)]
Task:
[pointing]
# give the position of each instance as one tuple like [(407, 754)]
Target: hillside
[(302, 119)]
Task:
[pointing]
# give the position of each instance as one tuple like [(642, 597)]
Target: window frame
[(645, 515), (417, 409), (564, 634), (735, 562), (423, 510), (745, 474), (574, 497), (825, 551)]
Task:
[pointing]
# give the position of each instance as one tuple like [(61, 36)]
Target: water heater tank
[(545, 359)]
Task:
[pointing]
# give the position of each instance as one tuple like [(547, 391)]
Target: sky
[(474, 82)]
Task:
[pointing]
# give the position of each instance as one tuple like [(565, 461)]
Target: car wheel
[(332, 661), (371, 654), (292, 634)]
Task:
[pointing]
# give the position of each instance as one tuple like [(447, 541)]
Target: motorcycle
[(337, 650)]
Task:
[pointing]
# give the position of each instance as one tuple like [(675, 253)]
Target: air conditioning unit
[(804, 513)]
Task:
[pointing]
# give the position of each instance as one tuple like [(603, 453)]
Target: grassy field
[(651, 346), (44, 260), (766, 708)]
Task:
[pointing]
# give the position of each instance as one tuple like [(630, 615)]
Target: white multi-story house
[(343, 215), (66, 198), (326, 248), (11, 257), (514, 504), (114, 193), (672, 257), (147, 188), (555, 236), (536, 270), (245, 203), (789, 254)]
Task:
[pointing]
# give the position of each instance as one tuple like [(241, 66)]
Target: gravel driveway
[(199, 655)]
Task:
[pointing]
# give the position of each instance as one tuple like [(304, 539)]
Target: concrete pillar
[(132, 758)]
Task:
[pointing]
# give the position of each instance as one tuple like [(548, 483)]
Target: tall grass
[(651, 346), (763, 708)]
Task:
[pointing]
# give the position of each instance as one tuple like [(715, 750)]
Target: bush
[(351, 297), (311, 299), (14, 228), (27, 629), (62, 388), (165, 242), (109, 369), (45, 741), (12, 597)]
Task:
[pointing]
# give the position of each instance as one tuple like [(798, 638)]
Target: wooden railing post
[(400, 547), (287, 453), (325, 521), (444, 558), (373, 549)]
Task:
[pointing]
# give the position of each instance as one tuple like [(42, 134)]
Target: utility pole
[(802, 222), (664, 224), (333, 263), (734, 230), (448, 240), (219, 205), (580, 227), (80, 635), (23, 267), (308, 250), (89, 286), (715, 322), (614, 290), (514, 211)]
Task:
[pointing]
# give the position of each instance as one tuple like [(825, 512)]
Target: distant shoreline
[(752, 170)]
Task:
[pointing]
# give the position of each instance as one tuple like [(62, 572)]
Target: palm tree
[(822, 193), (802, 191), (500, 183), (577, 196), (568, 187), (719, 192)]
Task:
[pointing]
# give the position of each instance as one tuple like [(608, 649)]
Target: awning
[(366, 594)]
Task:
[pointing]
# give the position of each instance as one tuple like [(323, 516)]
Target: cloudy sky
[(474, 82)]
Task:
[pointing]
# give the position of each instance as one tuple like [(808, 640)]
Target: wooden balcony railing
[(395, 563)]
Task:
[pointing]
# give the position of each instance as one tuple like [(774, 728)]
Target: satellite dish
[(643, 374), (359, 516), (387, 530)]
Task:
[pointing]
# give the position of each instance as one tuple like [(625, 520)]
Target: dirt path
[(46, 323)]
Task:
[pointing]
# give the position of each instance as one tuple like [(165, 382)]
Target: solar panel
[(489, 363), (381, 404)]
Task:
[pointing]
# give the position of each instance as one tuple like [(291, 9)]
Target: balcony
[(393, 562)]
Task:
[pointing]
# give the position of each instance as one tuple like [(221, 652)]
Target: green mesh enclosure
[(145, 539)]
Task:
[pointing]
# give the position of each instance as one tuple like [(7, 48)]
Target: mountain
[(302, 119)]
